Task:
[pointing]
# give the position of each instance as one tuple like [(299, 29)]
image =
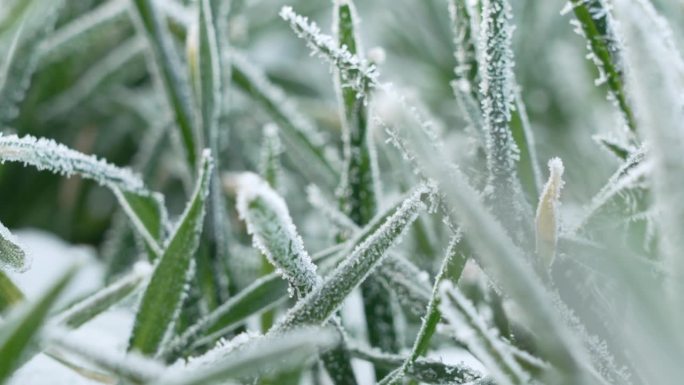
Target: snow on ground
[(51, 257)]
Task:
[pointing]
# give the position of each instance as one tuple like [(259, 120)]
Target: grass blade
[(321, 303), (210, 102), (149, 21), (308, 146), (131, 367), (270, 354), (479, 339), (595, 23), (274, 234), (10, 294), (163, 297), (357, 192), (22, 324), (451, 269), (498, 97)]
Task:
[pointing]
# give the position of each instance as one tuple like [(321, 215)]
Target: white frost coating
[(46, 154), (253, 356), (13, 255), (354, 72), (321, 303), (273, 233), (498, 97), (482, 341), (548, 212)]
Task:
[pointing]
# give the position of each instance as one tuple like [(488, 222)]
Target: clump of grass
[(238, 257)]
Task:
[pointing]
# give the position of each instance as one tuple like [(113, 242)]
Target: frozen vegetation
[(392, 192)]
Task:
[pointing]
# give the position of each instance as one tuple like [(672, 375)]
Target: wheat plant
[(433, 192)]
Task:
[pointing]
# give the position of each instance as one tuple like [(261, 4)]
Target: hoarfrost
[(46, 154), (273, 233)]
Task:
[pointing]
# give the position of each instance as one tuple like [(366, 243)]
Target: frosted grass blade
[(480, 340), (273, 232), (595, 23), (145, 209), (498, 98), (22, 324), (503, 261), (211, 90), (257, 297), (655, 82), (45, 154), (269, 354), (162, 300), (130, 366), (35, 19), (149, 22), (451, 269), (359, 185), (320, 304)]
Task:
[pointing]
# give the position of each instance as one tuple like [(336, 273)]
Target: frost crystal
[(356, 73), (498, 97), (45, 154), (273, 233), (319, 305)]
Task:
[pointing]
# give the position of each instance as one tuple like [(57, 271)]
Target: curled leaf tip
[(548, 213)]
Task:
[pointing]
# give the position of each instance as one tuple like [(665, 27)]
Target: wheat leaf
[(164, 294)]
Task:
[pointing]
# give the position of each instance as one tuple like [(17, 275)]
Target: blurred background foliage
[(97, 97)]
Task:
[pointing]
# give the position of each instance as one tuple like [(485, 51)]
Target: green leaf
[(269, 354), (257, 297), (597, 26), (10, 294), (150, 23), (210, 98), (162, 300), (148, 216), (22, 324)]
